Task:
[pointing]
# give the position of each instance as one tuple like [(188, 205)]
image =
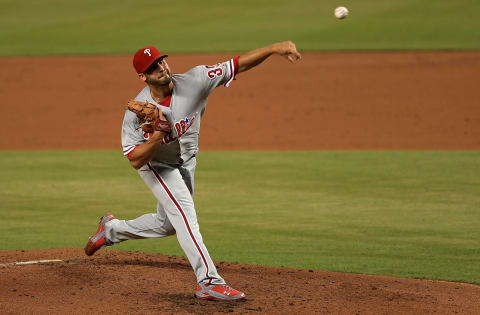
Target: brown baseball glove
[(150, 117)]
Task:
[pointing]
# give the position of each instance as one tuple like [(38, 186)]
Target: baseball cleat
[(218, 292), (98, 240)]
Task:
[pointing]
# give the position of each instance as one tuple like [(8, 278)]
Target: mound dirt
[(121, 282)]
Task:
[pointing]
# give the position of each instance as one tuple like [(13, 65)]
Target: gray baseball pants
[(173, 188)]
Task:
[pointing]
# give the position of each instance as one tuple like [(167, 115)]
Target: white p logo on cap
[(147, 51)]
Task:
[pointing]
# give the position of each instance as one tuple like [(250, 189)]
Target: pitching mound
[(115, 282)]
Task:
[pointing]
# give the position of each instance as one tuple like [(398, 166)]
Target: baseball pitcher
[(160, 138)]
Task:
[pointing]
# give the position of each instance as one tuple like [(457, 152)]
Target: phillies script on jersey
[(181, 127)]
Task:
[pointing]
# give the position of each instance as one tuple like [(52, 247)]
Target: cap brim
[(161, 57)]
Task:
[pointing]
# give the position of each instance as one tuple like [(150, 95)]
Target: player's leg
[(172, 192), (112, 230), (206, 290), (151, 225)]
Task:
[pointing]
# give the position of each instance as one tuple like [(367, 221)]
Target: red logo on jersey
[(184, 124), (181, 127)]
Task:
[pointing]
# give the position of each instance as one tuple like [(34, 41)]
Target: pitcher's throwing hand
[(288, 50)]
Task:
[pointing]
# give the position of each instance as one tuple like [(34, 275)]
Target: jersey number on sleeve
[(215, 72)]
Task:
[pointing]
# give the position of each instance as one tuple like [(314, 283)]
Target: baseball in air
[(341, 13)]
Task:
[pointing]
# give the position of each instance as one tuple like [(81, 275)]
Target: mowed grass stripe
[(54, 27), (408, 214)]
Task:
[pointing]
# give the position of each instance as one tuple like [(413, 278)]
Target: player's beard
[(162, 81)]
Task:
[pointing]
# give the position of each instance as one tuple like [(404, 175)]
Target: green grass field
[(408, 214), (56, 27)]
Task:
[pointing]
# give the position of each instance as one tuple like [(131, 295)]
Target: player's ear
[(142, 77)]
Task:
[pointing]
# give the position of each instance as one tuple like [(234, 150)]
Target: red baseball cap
[(145, 57)]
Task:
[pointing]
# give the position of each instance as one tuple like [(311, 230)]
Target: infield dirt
[(420, 100)]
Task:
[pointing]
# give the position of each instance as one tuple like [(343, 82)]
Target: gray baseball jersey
[(187, 105), (170, 173)]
